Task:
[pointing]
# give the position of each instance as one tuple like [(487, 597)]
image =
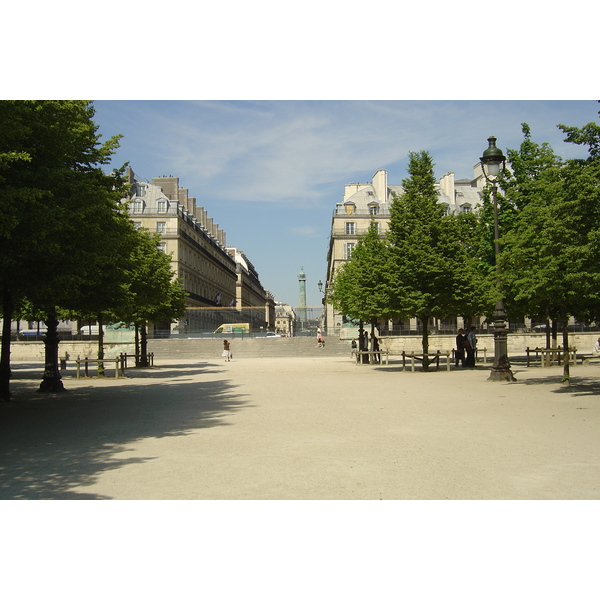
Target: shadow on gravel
[(579, 386), (52, 442)]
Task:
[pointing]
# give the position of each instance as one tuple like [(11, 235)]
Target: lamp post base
[(501, 374), (501, 367)]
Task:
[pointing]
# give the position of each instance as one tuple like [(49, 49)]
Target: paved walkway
[(315, 427)]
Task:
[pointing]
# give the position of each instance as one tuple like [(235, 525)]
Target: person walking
[(460, 348), (471, 346), (353, 348), (376, 357), (226, 351)]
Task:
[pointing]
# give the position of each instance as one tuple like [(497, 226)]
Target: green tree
[(361, 287), (154, 294), (51, 190), (534, 176), (432, 273), (549, 260)]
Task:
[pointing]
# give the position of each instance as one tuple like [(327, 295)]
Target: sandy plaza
[(302, 428)]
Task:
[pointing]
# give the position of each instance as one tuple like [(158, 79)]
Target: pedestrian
[(353, 347), (226, 351), (460, 348), (376, 357), (364, 339), (471, 346), (320, 342)]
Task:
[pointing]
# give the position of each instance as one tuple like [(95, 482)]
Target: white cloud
[(305, 231)]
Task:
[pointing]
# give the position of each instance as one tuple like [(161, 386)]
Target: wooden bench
[(420, 355), (549, 355), (124, 357), (119, 369), (372, 354)]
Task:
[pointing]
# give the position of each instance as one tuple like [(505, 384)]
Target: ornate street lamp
[(491, 161), (323, 302)]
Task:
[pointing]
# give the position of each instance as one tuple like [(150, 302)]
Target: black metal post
[(501, 368)]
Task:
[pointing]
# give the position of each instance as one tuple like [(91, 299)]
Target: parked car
[(268, 334)]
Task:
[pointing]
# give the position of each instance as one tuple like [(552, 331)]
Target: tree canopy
[(66, 241), (432, 272), (550, 255)]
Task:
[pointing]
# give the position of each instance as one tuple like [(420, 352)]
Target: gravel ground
[(303, 428)]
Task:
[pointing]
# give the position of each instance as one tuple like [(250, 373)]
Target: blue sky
[(270, 172)]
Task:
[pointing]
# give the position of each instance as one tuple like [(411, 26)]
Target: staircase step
[(249, 347)]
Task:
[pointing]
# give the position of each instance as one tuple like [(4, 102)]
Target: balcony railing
[(340, 211)]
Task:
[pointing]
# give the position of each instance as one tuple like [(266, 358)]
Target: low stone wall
[(517, 342), (34, 351)]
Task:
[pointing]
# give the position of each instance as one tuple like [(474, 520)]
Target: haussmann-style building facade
[(222, 284), (363, 202)]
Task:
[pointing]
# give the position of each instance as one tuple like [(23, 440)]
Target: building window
[(348, 249), (350, 228), (466, 208), (161, 227), (138, 206), (373, 209), (161, 206), (350, 209), (162, 246), (141, 190), (137, 224)]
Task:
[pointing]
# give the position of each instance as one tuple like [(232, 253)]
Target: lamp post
[(491, 161), (323, 302)]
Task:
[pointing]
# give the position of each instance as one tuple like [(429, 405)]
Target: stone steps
[(248, 347)]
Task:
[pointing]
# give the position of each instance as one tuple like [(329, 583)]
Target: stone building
[(285, 320), (365, 201), (221, 283)]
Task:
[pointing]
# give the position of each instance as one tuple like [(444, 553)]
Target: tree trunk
[(51, 381), (143, 346), (372, 347), (566, 367), (425, 342), (137, 345), (101, 371), (7, 312)]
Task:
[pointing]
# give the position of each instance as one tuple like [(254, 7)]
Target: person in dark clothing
[(471, 347), (460, 348), (376, 357)]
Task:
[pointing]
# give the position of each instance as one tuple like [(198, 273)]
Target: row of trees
[(435, 265), (67, 246)]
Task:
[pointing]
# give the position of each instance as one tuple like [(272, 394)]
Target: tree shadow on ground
[(579, 386), (52, 442)]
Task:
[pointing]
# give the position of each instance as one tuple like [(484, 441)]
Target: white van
[(233, 328)]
